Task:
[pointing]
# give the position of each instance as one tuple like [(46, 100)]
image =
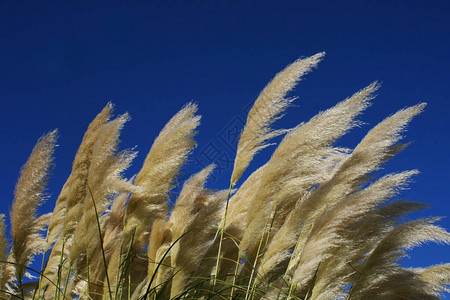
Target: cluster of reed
[(311, 223)]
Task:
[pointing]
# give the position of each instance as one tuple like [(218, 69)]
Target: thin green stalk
[(271, 224), (290, 291), (126, 263), (165, 284), (160, 263), (221, 235), (36, 290), (61, 261), (267, 234), (254, 266), (289, 264), (118, 276), (42, 271), (235, 273), (101, 243), (129, 286), (67, 279)]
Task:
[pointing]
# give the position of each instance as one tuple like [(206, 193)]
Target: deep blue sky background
[(60, 63)]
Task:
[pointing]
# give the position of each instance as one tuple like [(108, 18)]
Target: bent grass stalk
[(160, 263), (125, 265), (101, 243)]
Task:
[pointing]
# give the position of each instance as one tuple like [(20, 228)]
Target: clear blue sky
[(60, 63)]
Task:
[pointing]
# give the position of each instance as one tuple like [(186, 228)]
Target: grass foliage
[(311, 223)]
